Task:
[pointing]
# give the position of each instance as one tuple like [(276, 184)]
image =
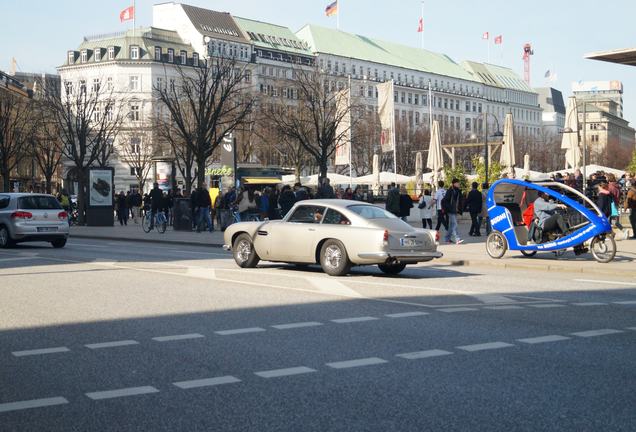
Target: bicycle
[(161, 223)]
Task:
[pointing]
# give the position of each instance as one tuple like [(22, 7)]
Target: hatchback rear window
[(38, 202)]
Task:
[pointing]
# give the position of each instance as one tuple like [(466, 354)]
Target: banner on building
[(386, 112), (343, 129)]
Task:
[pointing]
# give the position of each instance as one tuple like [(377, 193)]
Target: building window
[(108, 112), (134, 112), (133, 83), (195, 60), (170, 55), (134, 52), (248, 75), (82, 86), (97, 114), (479, 108), (96, 85), (467, 125), (184, 57), (135, 145), (445, 103), (109, 83), (417, 118), (98, 54), (474, 107), (158, 53), (71, 57), (402, 97), (111, 53), (84, 56)]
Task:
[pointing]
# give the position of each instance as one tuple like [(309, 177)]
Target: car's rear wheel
[(59, 243), (392, 269), (5, 237), (243, 251), (334, 259)]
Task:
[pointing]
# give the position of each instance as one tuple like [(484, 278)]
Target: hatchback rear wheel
[(5, 237), (58, 243)]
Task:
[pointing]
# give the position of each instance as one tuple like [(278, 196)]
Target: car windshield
[(38, 202), (371, 212)]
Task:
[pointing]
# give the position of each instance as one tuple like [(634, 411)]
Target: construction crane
[(527, 52)]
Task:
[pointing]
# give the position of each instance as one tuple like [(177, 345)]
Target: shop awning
[(260, 180)]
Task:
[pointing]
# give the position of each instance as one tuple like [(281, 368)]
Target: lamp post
[(497, 134)]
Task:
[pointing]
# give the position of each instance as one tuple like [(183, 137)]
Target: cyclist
[(156, 203)]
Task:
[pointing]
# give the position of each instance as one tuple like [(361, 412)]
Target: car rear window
[(38, 202), (371, 212), (4, 201)]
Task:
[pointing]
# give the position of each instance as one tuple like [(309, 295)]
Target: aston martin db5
[(337, 234)]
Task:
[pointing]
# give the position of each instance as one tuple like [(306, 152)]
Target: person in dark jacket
[(272, 212), (393, 200), (474, 206), (122, 209), (204, 203), (156, 203), (406, 204), (453, 205), (286, 200), (604, 199), (325, 191), (301, 192)]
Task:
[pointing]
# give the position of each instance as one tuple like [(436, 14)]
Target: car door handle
[(312, 229), (262, 233)]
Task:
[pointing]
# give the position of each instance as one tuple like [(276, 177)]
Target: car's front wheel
[(58, 243), (244, 254), (334, 259), (5, 238), (392, 269)]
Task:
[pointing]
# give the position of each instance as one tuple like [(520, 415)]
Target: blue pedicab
[(588, 229)]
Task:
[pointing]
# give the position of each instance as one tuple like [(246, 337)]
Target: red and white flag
[(486, 35), (127, 14), (420, 25), (498, 40)]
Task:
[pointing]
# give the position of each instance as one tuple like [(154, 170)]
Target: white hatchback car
[(26, 217)]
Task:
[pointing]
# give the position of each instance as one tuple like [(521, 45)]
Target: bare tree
[(16, 125), (208, 103), (46, 145), (88, 120), (136, 149), (168, 135)]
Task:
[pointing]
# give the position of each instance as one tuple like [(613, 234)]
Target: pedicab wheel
[(496, 245), (559, 253), (528, 253), (603, 248)]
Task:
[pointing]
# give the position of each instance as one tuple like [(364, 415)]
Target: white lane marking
[(41, 351), (424, 354), (592, 333), (177, 337), (485, 346), (353, 320), (130, 391), (631, 328), (206, 382), (492, 298), (18, 258), (35, 403), (629, 302), (544, 339), (503, 307), (90, 245), (356, 363), (589, 304), (603, 282), (297, 325), (546, 306), (332, 286), (240, 331), (405, 314), (276, 373), (457, 309), (227, 254), (111, 344)]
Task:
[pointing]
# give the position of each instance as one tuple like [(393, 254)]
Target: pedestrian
[(247, 202), (156, 203), (300, 192), (393, 200), (348, 194), (286, 200), (453, 205), (273, 213), (325, 191), (483, 217), (263, 203), (122, 209), (135, 205), (357, 194), (426, 205), (474, 206), (630, 205), (406, 204), (194, 209), (442, 218), (169, 207), (204, 202), (615, 192)]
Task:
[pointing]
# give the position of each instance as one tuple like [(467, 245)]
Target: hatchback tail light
[(62, 215), (21, 215), (385, 238)]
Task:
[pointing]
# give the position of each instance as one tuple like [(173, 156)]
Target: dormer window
[(84, 56), (184, 57), (170, 55), (195, 59), (134, 52), (71, 57), (158, 53), (98, 54), (111, 53)]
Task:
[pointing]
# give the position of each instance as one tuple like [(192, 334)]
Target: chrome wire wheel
[(243, 250), (333, 256)]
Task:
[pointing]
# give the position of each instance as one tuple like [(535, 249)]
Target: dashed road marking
[(629, 302), (589, 304), (485, 346), (277, 373), (206, 382), (357, 363), (546, 306), (34, 403), (503, 307), (354, 319), (41, 351), (592, 333), (605, 282), (631, 328), (405, 314), (424, 354), (240, 331), (125, 392), (544, 339), (457, 309), (178, 337), (297, 325), (111, 344)]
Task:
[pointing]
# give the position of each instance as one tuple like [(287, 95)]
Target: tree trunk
[(47, 178), (6, 181), (200, 171), (323, 168), (81, 197)]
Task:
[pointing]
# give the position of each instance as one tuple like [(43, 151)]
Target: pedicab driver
[(545, 212)]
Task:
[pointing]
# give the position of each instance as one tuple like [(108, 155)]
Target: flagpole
[(488, 43), (392, 95), (338, 15), (422, 32), (134, 18), (350, 140), (430, 125)]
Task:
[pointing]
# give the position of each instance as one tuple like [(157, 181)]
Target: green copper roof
[(498, 76), (335, 42), (272, 36)]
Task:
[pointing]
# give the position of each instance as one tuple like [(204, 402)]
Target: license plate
[(409, 242), (47, 229)]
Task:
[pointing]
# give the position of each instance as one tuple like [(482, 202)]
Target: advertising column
[(100, 211)]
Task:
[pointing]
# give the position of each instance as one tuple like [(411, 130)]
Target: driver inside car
[(548, 219)]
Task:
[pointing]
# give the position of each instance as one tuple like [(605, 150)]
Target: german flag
[(332, 9)]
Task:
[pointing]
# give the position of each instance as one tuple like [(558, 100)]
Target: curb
[(145, 240)]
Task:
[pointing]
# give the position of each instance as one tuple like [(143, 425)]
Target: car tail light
[(62, 215), (385, 238), (21, 215)]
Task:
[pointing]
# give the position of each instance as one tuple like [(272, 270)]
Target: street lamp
[(497, 134)]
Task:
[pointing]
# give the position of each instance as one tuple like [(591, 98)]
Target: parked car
[(26, 217), (336, 234)]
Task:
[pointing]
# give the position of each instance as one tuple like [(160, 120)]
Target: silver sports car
[(337, 234)]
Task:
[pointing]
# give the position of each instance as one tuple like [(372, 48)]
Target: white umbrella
[(570, 140), (376, 174), (383, 178), (435, 158), (526, 165), (418, 171), (335, 179), (507, 157)]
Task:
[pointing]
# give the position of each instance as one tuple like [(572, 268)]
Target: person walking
[(393, 200), (615, 192), (135, 205), (442, 218), (122, 209), (452, 205), (426, 204), (204, 203), (630, 205), (406, 204), (325, 191), (286, 200), (474, 206), (300, 192), (156, 203)]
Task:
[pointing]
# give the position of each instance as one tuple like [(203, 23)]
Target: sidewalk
[(471, 253)]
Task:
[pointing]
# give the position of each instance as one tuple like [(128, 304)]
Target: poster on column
[(100, 184), (164, 173), (343, 129)]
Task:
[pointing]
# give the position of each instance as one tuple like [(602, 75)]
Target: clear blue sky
[(39, 32)]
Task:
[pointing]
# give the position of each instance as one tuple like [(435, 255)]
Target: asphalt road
[(116, 336)]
